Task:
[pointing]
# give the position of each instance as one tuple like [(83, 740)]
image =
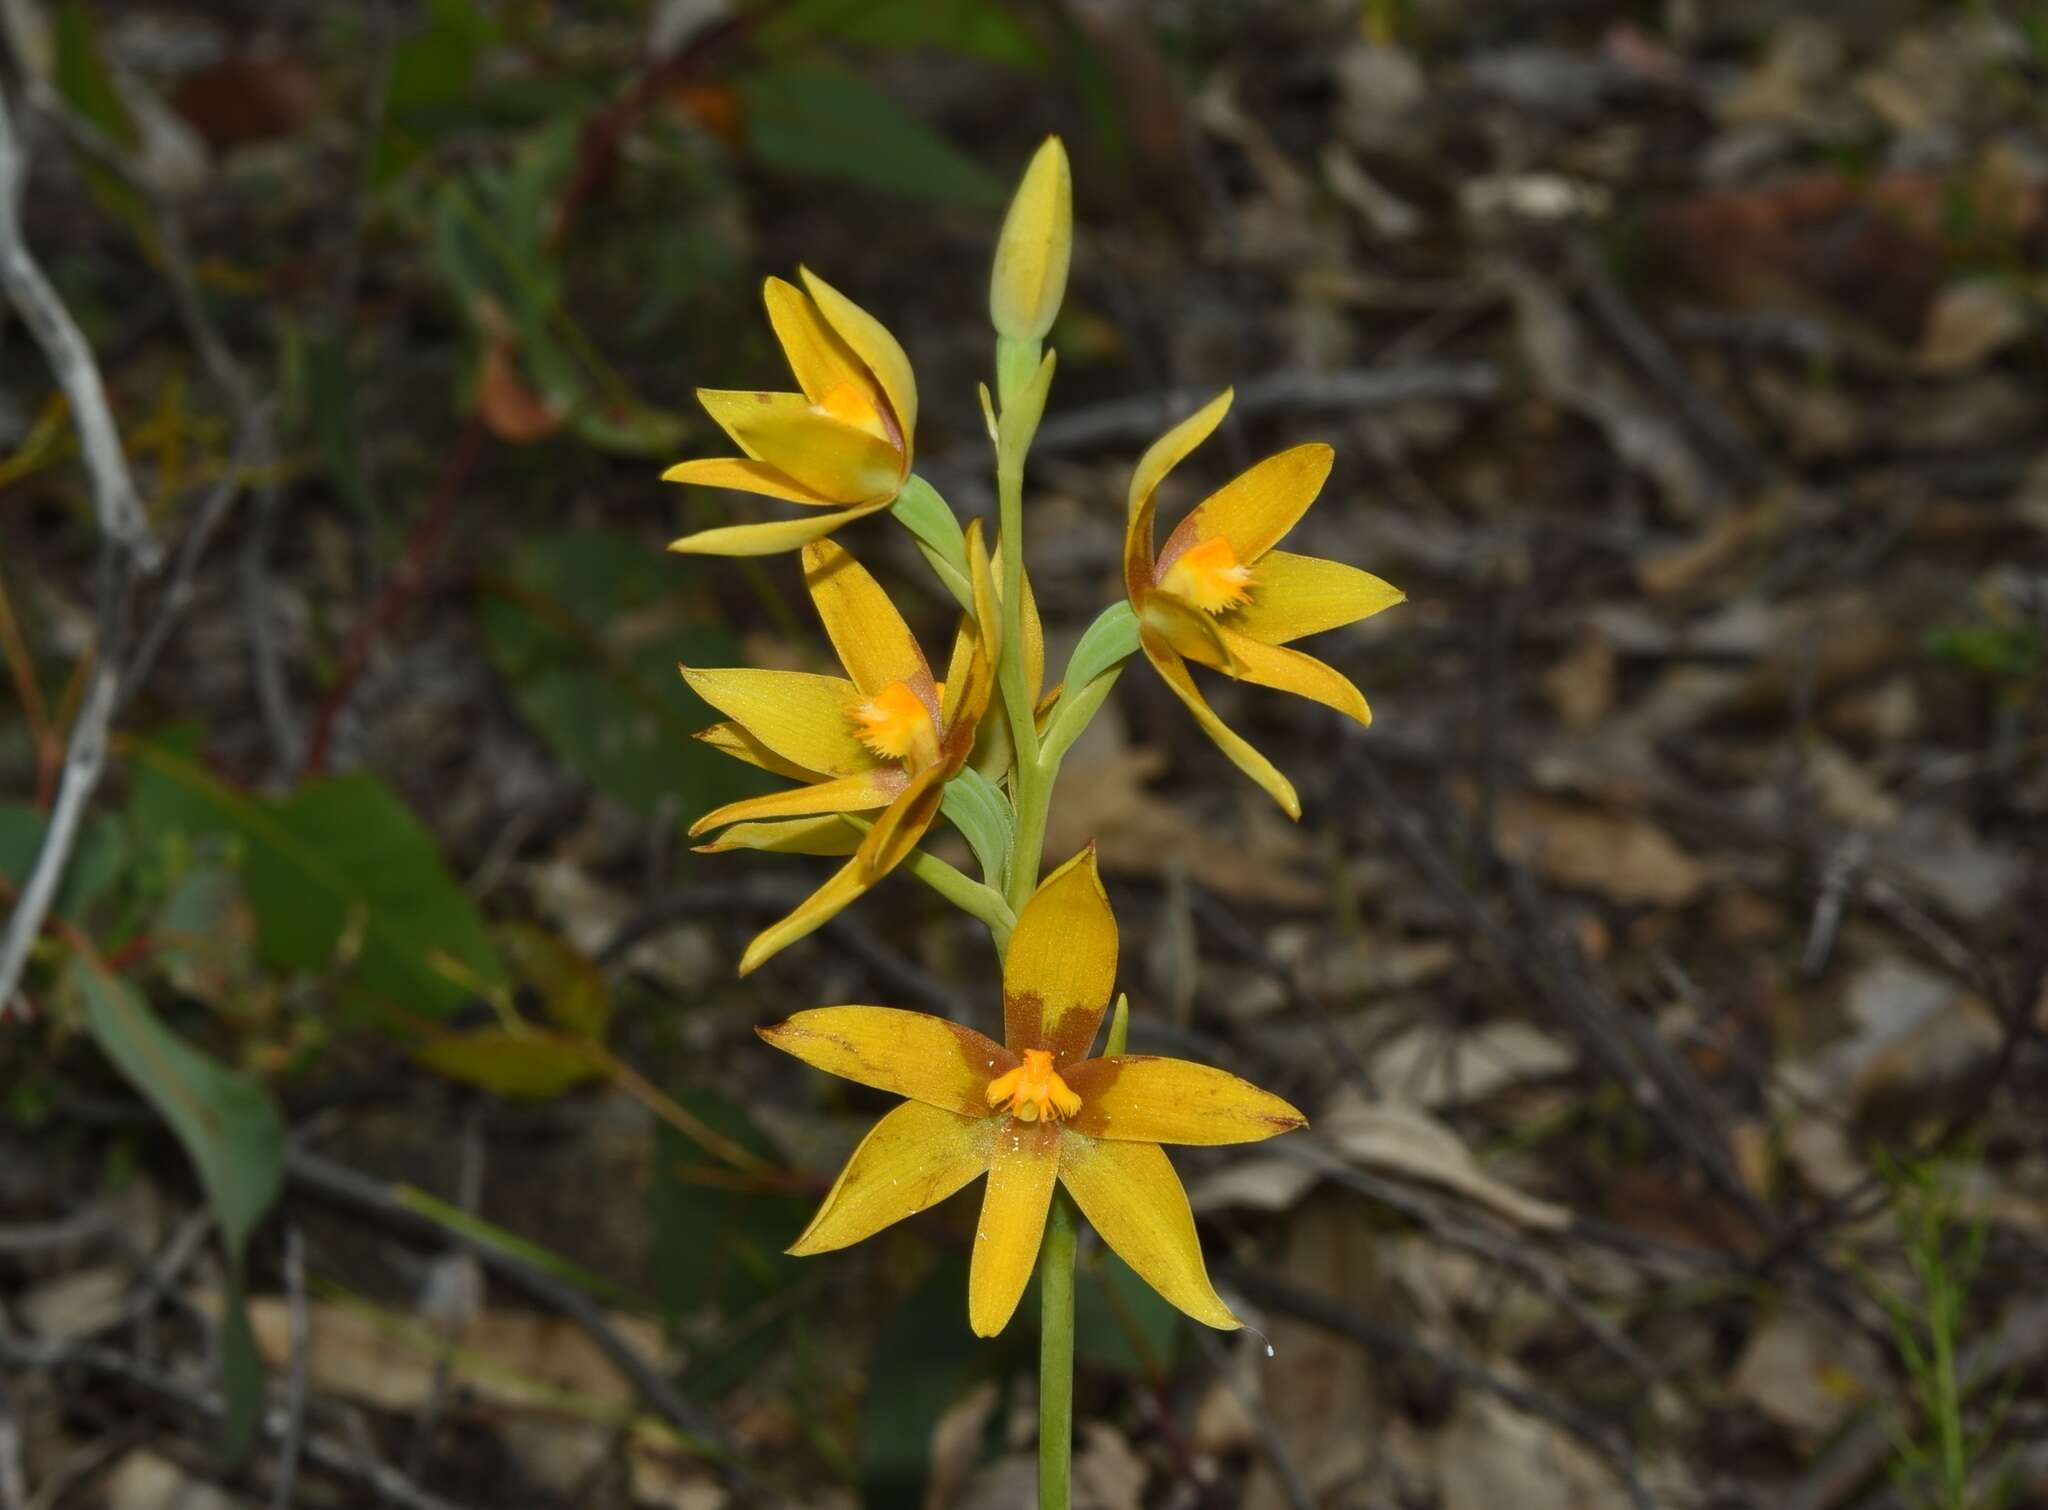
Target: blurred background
[(1662, 973)]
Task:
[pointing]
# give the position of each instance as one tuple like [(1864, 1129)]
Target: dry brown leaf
[(1581, 685), (1408, 1141), (1622, 856), (1720, 546), (514, 1359), (506, 402), (1257, 856), (145, 1481), (956, 1444), (1805, 1370), (1261, 1182), (1321, 1390), (1492, 1455), (1422, 1068), (1848, 793), (1970, 323)]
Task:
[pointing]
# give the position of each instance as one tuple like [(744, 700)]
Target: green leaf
[(980, 29), (88, 87), (230, 1130), (1110, 641), (203, 938), (226, 1120), (340, 875), (570, 986), (1121, 1323), (983, 815), (924, 1360), (808, 118), (522, 1066), (99, 860), (432, 75), (331, 395), (587, 630), (920, 509)]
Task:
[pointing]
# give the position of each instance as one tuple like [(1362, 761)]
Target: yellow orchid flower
[(843, 443), (884, 738), (1219, 594), (1031, 1111)]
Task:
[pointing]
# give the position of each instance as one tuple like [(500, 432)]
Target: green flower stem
[(966, 893), (1056, 1356)]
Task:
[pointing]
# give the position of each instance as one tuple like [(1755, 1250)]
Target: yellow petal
[(1174, 672), (959, 668), (1137, 1098), (1303, 595), (872, 343), (826, 455), (1020, 1180), (910, 1054), (800, 716), (1030, 276), (1291, 671), (743, 477), (1172, 448), (1188, 630), (874, 644), (862, 793), (912, 1159), (1132, 1197), (1061, 965), (1034, 628), (729, 738), (846, 886), (1260, 505), (896, 833), (1138, 550), (967, 696), (771, 538), (820, 359), (731, 405), (826, 835)]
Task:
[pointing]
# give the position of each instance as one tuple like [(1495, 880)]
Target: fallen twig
[(129, 549)]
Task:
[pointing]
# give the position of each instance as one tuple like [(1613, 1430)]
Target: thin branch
[(292, 1439), (71, 360)]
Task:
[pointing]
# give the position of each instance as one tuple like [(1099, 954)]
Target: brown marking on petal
[(764, 398), (1074, 1034), (1185, 534), (1023, 1021), (988, 1059)]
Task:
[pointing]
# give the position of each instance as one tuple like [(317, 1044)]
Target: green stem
[(966, 893), (1032, 794), (1056, 1357)]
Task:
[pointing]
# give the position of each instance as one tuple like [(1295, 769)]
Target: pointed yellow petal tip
[(1036, 244)]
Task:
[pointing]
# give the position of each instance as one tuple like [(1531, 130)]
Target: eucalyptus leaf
[(231, 1131), (587, 629), (811, 118), (341, 878)]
